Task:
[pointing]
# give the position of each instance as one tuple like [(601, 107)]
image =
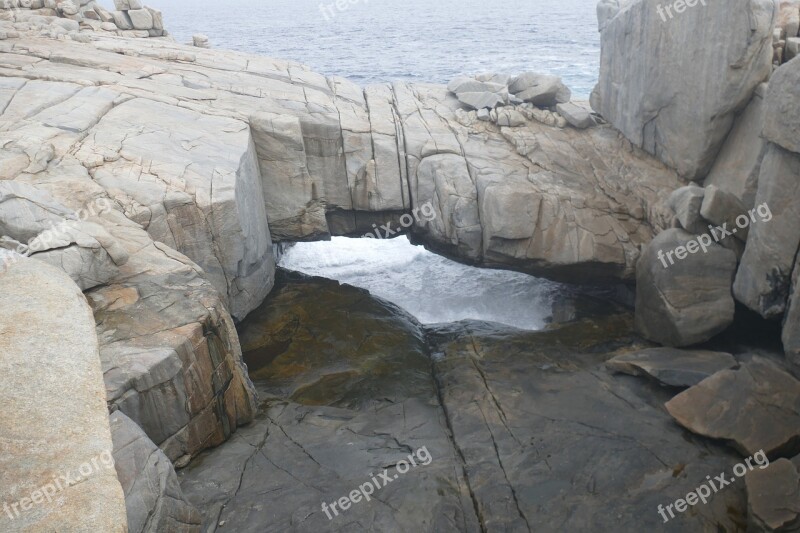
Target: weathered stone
[(50, 353), (153, 497), (198, 190), (510, 118), (764, 275), (678, 78), (724, 209), (773, 497), (686, 203), (577, 115), (471, 85), (142, 19), (122, 20), (782, 117), (675, 368), (739, 161), (542, 90), (754, 407), (481, 100), (683, 292)]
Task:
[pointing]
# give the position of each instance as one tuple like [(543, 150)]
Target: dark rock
[(360, 368), (554, 443), (773, 497), (683, 301), (756, 407), (676, 368)]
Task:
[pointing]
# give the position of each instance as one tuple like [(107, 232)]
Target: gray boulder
[(577, 115), (541, 90), (481, 100), (782, 117), (676, 96), (724, 209), (764, 275), (683, 298), (686, 203), (739, 162), (153, 498), (142, 19)]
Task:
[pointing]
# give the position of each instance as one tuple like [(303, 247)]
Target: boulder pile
[(540, 97), (75, 19)]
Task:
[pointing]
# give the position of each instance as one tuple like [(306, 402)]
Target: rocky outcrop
[(331, 159), (66, 19), (754, 408), (153, 497), (683, 292), (55, 442), (678, 95)]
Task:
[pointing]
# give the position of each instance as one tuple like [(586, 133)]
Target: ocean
[(376, 41)]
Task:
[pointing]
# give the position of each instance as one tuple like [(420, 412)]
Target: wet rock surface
[(525, 430), (671, 367)]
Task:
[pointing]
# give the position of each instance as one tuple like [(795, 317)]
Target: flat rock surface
[(675, 368), (526, 430)]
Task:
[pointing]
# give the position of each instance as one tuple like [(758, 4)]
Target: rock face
[(153, 497), (683, 292), (739, 162), (50, 353), (675, 79), (674, 368), (754, 407), (764, 277)]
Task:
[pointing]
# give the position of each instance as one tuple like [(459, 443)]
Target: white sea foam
[(430, 287)]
